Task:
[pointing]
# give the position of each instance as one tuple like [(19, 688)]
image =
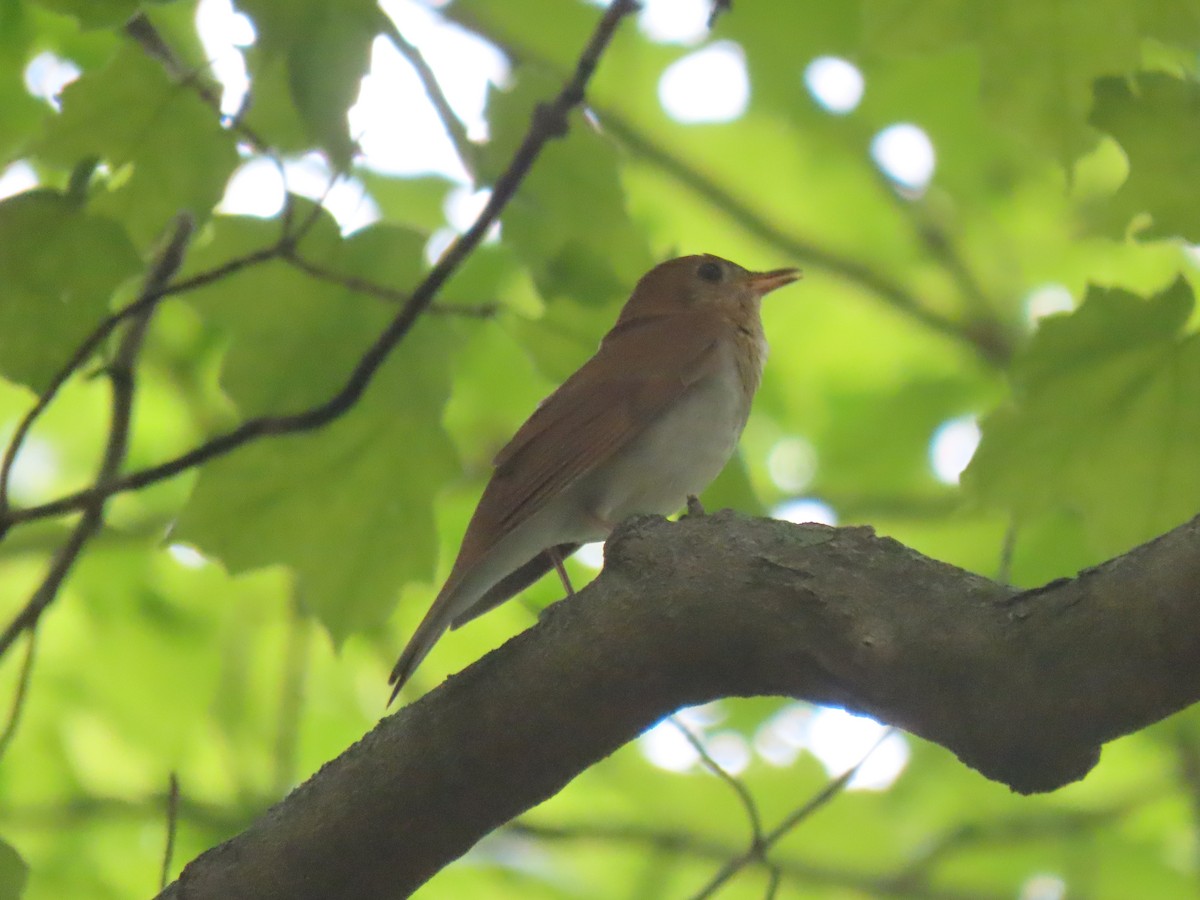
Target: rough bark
[(1023, 686)]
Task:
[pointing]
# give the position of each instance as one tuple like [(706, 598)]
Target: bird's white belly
[(679, 454)]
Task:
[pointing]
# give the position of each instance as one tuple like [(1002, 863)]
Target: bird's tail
[(435, 623)]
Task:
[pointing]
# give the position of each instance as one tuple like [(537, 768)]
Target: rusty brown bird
[(649, 420)]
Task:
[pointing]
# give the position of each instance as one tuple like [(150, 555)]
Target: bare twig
[(120, 373), (699, 846), (383, 291), (1187, 766), (172, 828), (798, 248), (141, 30), (1038, 827), (827, 793), (455, 130), (549, 121), (743, 794), (984, 334), (942, 248), (773, 878), (718, 8), (352, 282), (18, 704), (89, 345)]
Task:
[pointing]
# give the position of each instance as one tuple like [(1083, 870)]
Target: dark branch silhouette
[(120, 372), (549, 121), (1024, 687)]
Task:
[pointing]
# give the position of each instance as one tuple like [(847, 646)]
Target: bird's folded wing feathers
[(591, 417)]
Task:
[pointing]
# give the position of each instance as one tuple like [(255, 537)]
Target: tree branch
[(450, 122), (382, 291), (141, 30), (146, 299), (549, 121), (981, 331), (1023, 686), (121, 375), (701, 847)]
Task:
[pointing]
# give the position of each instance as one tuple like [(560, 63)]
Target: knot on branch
[(551, 118), (632, 542)]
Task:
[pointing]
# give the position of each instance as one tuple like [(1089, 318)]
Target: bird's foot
[(556, 558)]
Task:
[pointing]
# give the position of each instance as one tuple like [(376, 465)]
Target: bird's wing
[(511, 585), (590, 417)]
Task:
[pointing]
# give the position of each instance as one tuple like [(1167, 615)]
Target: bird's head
[(702, 283)]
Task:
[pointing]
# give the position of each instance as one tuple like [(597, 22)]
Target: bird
[(647, 422)]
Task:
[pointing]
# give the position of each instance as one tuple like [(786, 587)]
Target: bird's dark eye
[(709, 271)]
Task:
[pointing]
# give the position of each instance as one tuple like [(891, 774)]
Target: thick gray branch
[(1024, 687)]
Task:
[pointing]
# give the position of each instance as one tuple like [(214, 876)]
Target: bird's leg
[(695, 509), (556, 558)]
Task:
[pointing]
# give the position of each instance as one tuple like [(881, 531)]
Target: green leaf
[(348, 506), (20, 113), (1156, 118), (1037, 61), (1105, 421), (325, 47), (58, 268), (14, 872), (587, 249), (93, 13), (165, 147), (418, 202), (1171, 21)]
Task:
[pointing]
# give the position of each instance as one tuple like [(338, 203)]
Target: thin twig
[(143, 32), (703, 847), (87, 809), (283, 246), (827, 793), (1187, 766), (985, 336), (718, 7), (1037, 828), (352, 282), (121, 376), (773, 877), (89, 345), (18, 704), (942, 248), (383, 291), (717, 769), (172, 828), (455, 130), (549, 121), (799, 249)]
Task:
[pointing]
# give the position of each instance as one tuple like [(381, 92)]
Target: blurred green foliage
[(1066, 144)]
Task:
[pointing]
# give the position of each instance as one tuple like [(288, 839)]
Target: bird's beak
[(763, 283)]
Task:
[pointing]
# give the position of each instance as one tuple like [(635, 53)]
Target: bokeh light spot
[(805, 509), (952, 446), (905, 154), (792, 463), (834, 83), (710, 85), (1047, 300)]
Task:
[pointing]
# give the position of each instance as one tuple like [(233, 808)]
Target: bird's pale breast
[(680, 453)]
